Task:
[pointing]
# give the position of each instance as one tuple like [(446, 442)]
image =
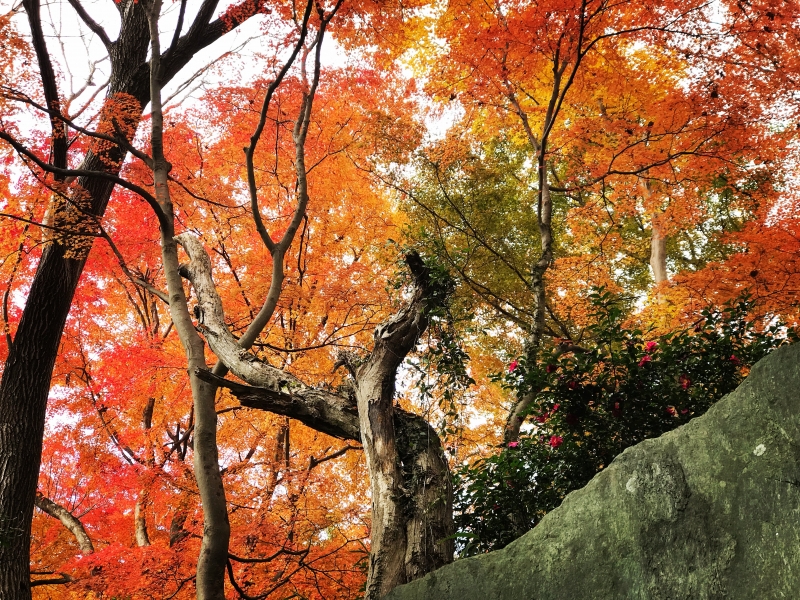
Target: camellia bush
[(618, 388)]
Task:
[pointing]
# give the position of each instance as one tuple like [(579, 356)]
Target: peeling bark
[(410, 478)]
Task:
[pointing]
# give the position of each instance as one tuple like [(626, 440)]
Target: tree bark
[(658, 241), (410, 480), (140, 510), (658, 253), (26, 377), (70, 521), (210, 576)]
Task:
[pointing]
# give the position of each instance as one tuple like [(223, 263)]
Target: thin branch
[(254, 139), (137, 280), (91, 23), (146, 196), (64, 578)]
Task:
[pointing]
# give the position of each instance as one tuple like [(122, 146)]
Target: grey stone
[(708, 511)]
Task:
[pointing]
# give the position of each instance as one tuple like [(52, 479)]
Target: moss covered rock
[(710, 510)]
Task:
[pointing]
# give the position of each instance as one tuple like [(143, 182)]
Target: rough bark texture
[(709, 511), (26, 377), (411, 487), (375, 388), (70, 521)]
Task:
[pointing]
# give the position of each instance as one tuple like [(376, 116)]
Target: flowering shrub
[(617, 390)]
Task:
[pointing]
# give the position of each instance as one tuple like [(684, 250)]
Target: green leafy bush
[(617, 390)]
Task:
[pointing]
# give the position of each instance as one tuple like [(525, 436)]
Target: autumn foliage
[(530, 151)]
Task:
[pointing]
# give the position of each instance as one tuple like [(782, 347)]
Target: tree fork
[(412, 492)]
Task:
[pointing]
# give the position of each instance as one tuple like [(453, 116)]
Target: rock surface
[(708, 511)]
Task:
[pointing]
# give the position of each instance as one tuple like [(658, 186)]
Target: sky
[(79, 53)]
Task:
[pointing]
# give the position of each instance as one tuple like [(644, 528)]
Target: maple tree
[(616, 143), (116, 125), (587, 151)]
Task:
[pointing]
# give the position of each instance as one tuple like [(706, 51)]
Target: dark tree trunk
[(26, 377)]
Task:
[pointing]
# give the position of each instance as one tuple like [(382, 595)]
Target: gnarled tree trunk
[(410, 478)]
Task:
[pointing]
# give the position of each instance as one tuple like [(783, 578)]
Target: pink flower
[(512, 366), (650, 346), (556, 441), (513, 444), (684, 411), (555, 408), (735, 360), (645, 359)]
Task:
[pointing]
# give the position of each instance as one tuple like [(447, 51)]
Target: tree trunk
[(411, 488), (140, 510), (658, 241), (26, 377), (658, 253)]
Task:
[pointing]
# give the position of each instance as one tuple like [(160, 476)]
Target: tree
[(616, 146), (621, 387), (26, 375), (421, 547), (134, 81)]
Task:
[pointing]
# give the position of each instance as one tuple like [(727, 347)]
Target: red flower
[(550, 368), (542, 418), (735, 360), (572, 385), (556, 441), (645, 359), (555, 408), (617, 410), (512, 366), (684, 411), (513, 444), (671, 411), (650, 346), (684, 381)]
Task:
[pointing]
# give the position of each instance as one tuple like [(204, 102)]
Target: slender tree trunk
[(140, 510), (658, 253), (26, 376), (210, 580), (70, 521), (658, 241)]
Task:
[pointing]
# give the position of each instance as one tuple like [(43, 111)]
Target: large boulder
[(710, 510)]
